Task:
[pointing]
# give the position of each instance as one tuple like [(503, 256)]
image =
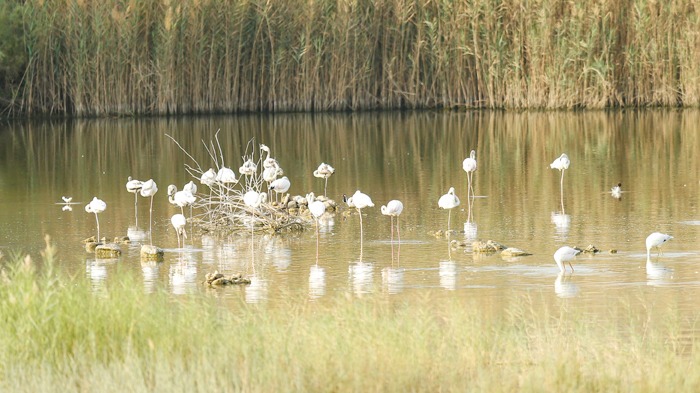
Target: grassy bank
[(57, 335), (82, 57)]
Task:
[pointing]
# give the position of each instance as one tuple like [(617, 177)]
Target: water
[(414, 157)]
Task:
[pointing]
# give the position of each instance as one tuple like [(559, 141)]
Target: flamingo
[(469, 166), (655, 240), (359, 201), (179, 222), (562, 163), (134, 186), (317, 208), (393, 209), (324, 171), (149, 189), (449, 201), (96, 206), (180, 198), (565, 254), (280, 186)]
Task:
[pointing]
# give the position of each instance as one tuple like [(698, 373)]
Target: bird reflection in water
[(564, 287), (658, 274)]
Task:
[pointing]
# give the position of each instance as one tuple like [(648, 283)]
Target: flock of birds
[(273, 175)]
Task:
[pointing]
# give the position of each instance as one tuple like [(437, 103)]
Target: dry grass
[(58, 335)]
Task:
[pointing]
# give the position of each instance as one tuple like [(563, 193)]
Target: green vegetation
[(59, 335), (206, 56)]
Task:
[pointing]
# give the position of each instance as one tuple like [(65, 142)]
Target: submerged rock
[(152, 253), (514, 252), (458, 244), (107, 251), (591, 249), (487, 246), (91, 245)]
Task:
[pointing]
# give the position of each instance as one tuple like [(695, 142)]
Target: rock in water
[(151, 253), (107, 251)]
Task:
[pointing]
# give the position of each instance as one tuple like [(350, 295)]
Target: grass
[(89, 58), (57, 335)]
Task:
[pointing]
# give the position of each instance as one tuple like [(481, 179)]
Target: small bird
[(616, 191), (469, 166), (565, 254), (449, 201), (393, 209), (656, 239), (96, 206), (179, 222), (67, 199), (324, 171)]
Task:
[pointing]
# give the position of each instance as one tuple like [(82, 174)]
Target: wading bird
[(565, 254), (96, 206), (324, 171), (179, 222), (469, 166), (655, 240), (317, 208), (134, 186), (449, 201), (268, 162), (562, 163), (148, 190), (280, 186), (393, 209), (359, 201), (67, 199), (180, 198)]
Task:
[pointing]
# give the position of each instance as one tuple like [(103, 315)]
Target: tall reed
[(207, 56)]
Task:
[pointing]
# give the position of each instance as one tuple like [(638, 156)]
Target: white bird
[(248, 168), (324, 171), (616, 191), (656, 239), (254, 199), (393, 209), (191, 187), (317, 209), (96, 206), (272, 173), (565, 254), (268, 162), (359, 201), (226, 176), (281, 185), (179, 222), (134, 186), (449, 201), (180, 198), (469, 166), (208, 178), (149, 188), (562, 163), (67, 199)]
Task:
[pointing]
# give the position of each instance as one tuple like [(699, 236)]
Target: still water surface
[(414, 157)]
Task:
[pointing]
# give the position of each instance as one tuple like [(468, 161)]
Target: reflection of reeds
[(193, 56), (147, 343)]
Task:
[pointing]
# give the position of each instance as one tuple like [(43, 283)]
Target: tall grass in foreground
[(57, 335), (205, 56)]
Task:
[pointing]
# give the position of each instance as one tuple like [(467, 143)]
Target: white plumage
[(565, 254), (655, 240)]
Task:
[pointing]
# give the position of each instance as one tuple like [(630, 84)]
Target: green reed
[(57, 334), (207, 56)]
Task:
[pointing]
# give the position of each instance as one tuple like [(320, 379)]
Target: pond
[(414, 157)]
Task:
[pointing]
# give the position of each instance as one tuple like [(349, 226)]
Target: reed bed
[(93, 58), (57, 335)]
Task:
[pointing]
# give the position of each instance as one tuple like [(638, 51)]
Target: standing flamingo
[(393, 209), (449, 201), (96, 206)]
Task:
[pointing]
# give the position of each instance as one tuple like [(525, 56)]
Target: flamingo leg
[(397, 228), (150, 221), (98, 228), (136, 209)]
